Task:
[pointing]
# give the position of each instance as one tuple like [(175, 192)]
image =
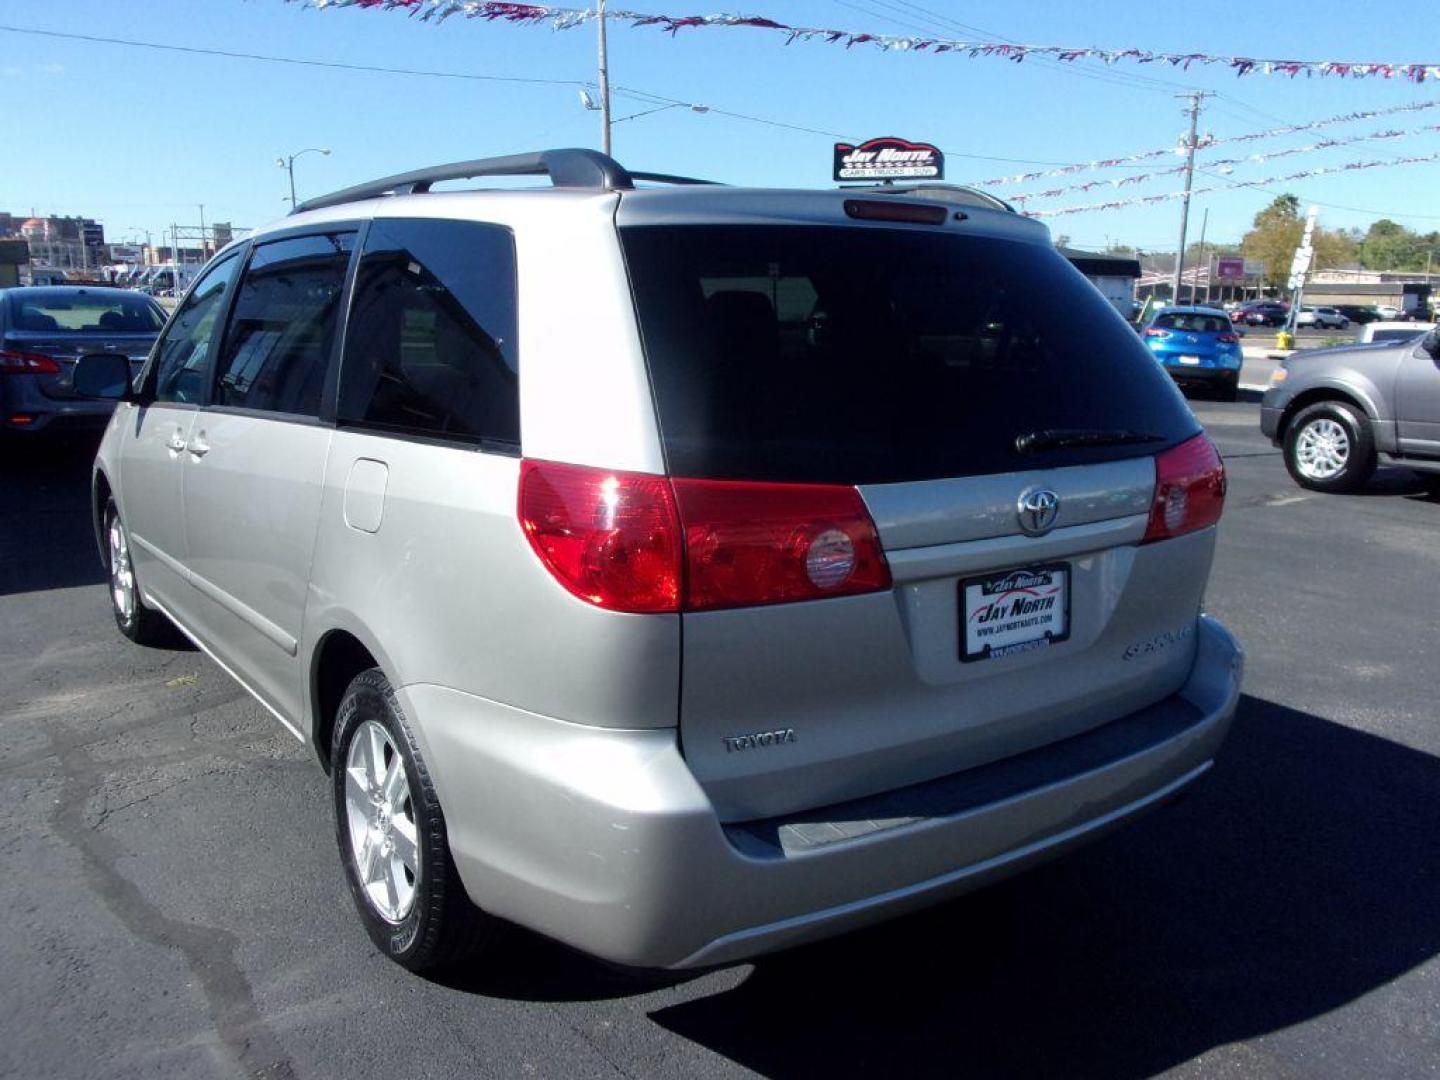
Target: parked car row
[(1324, 317)]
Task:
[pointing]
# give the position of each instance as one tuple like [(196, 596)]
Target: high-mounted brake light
[(641, 543), (1189, 490), (26, 363), (883, 210)]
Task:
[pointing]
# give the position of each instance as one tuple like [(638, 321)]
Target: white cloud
[(52, 69)]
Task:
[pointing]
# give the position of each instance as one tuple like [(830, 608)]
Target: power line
[(944, 22), (296, 61), (1236, 185), (641, 95)]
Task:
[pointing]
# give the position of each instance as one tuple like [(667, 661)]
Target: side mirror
[(1431, 343), (103, 375)]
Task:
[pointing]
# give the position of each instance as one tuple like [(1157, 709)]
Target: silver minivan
[(680, 571)]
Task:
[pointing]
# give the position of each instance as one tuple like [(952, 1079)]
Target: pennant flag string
[(1171, 196), (1253, 136), (1224, 166), (565, 18)]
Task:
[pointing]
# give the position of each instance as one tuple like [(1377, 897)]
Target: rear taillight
[(752, 543), (26, 363), (1153, 333), (1189, 490), (611, 538), (1228, 339), (641, 543)]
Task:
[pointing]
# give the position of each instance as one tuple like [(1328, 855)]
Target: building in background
[(59, 247), (14, 254), (1113, 275)]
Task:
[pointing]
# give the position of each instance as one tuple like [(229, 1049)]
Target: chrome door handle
[(198, 446), (176, 443)]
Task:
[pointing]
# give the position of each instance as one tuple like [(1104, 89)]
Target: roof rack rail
[(666, 178), (572, 168)]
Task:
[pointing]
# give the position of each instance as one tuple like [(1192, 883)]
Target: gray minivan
[(681, 571)]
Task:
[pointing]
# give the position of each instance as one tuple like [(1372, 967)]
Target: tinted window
[(849, 355), (431, 342), (180, 356), (85, 311), (282, 332), (1195, 324)]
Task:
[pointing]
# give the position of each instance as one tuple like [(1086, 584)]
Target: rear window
[(109, 311), (846, 355), (1194, 324)]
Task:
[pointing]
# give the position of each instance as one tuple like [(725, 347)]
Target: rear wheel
[(392, 836), (1229, 388), (1329, 447), (137, 622)]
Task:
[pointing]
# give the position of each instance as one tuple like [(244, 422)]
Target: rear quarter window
[(431, 344), (866, 355)]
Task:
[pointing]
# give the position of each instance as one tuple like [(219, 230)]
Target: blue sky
[(138, 137)]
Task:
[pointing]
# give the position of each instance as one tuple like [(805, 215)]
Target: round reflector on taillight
[(829, 559)]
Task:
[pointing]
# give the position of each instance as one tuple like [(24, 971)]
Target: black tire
[(440, 928), (1229, 390), (140, 624), (1359, 462)]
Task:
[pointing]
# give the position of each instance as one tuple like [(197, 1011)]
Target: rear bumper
[(24, 409), (1203, 374), (604, 840)]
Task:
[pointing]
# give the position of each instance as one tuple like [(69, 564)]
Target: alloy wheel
[(384, 837), (122, 576), (1322, 449)]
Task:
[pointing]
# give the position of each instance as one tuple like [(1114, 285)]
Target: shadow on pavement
[(1300, 875), (46, 537)]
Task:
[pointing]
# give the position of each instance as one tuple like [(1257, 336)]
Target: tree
[(1276, 234), (1388, 245)]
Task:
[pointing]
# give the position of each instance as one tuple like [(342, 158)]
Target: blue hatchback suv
[(1198, 346)]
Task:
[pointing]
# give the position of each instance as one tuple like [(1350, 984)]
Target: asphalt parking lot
[(174, 903)]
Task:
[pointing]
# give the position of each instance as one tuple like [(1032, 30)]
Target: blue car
[(44, 330), (1199, 347)]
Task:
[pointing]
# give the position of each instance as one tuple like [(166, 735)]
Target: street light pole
[(288, 164), (604, 81), (1196, 97)]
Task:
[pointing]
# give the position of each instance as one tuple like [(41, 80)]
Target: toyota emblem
[(1037, 509)]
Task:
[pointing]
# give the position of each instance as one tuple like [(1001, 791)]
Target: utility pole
[(1204, 226), (1195, 97), (604, 82), (204, 240)]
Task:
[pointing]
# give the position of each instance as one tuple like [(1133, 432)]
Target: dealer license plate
[(1189, 360), (1014, 612)]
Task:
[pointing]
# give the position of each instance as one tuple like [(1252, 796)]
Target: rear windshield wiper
[(1032, 442)]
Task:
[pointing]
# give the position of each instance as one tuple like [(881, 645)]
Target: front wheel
[(392, 836), (1329, 447), (137, 622)]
